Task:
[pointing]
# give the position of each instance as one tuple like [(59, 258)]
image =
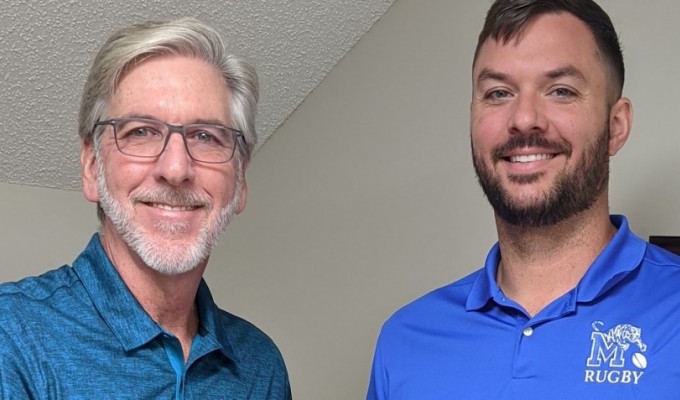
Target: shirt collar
[(125, 316), (485, 288), (622, 255), (213, 334), (115, 303)]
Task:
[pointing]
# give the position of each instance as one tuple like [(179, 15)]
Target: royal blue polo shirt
[(79, 333), (616, 335)]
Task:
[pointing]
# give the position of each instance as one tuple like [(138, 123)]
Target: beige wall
[(41, 229), (365, 198)]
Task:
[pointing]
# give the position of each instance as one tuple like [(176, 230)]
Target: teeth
[(171, 208), (530, 158)]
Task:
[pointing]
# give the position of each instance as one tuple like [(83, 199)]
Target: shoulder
[(656, 256), (446, 301), (31, 308), (659, 267), (32, 291), (29, 311)]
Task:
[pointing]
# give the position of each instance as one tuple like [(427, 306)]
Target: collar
[(214, 335), (622, 255), (125, 316)]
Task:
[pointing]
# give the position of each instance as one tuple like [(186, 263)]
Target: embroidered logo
[(616, 355)]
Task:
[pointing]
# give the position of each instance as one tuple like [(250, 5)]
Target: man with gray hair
[(133, 318)]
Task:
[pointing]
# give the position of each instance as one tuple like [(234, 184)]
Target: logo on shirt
[(616, 355)]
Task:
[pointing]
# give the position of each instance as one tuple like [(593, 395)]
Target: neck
[(168, 299), (538, 265)]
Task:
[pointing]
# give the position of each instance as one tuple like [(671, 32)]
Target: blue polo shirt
[(616, 335), (78, 333)]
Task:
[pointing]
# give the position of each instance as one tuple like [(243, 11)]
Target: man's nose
[(174, 165), (528, 115)]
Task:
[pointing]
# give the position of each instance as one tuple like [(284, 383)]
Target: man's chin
[(168, 254), (175, 270), (171, 267)]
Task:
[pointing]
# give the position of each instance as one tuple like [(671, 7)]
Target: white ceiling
[(46, 47)]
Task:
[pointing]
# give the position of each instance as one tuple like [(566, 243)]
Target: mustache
[(180, 197), (533, 140)]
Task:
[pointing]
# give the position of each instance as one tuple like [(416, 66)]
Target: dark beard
[(570, 195)]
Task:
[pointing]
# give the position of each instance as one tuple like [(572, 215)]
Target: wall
[(365, 198), (41, 229)]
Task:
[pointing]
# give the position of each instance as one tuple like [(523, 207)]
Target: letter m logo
[(604, 350), (609, 347)]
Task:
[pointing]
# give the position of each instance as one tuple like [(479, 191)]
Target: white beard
[(164, 256)]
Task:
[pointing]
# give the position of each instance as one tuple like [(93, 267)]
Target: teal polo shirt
[(616, 335), (78, 333)]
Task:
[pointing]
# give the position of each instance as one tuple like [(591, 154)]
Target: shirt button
[(528, 331)]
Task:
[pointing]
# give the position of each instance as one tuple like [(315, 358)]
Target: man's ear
[(620, 124), (88, 168)]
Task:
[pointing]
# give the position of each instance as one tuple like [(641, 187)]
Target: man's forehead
[(175, 89), (554, 35), (514, 35)]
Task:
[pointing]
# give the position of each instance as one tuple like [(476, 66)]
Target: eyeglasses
[(145, 137)]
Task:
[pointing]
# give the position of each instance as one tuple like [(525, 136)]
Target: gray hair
[(185, 37)]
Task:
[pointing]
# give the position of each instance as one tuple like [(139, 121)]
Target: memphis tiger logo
[(616, 355)]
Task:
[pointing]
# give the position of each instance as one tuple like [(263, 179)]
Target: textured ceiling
[(46, 47)]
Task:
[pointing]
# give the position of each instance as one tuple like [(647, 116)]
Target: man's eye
[(498, 94), (563, 92), (140, 132), (204, 136)]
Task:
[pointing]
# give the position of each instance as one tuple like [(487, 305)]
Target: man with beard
[(167, 128), (570, 303)]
